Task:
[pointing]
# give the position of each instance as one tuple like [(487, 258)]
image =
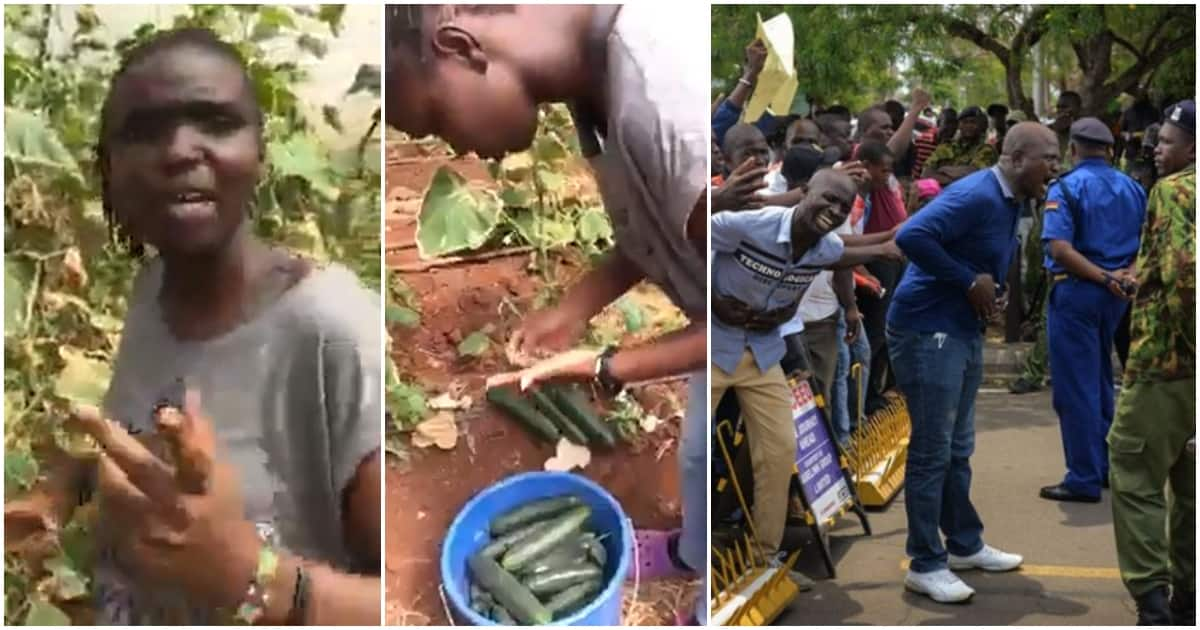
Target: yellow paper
[(777, 83)]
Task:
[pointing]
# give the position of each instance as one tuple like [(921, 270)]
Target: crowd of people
[(893, 238)]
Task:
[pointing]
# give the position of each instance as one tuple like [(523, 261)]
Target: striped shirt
[(752, 261)]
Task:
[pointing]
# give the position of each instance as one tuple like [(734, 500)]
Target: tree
[(1147, 36), (853, 53)]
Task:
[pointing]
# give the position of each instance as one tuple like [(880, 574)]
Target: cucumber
[(539, 510), (567, 553), (500, 615), (575, 405), (499, 545), (523, 412), (561, 557), (572, 597), (508, 591), (552, 582), (596, 551), (529, 549), (565, 425), (481, 601)]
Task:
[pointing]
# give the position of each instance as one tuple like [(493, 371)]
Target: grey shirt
[(652, 166), (294, 396)]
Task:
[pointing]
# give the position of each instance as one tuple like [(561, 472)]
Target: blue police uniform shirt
[(752, 262), (1105, 226), (969, 229)]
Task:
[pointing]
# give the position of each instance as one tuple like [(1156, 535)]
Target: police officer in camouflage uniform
[(968, 153), (1156, 412)]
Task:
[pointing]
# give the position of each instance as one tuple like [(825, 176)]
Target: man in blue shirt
[(1093, 218), (762, 263), (959, 247)]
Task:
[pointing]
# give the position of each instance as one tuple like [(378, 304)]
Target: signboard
[(821, 478)]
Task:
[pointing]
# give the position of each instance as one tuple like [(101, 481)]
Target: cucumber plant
[(66, 284)]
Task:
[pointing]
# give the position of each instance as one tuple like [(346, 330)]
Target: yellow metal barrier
[(878, 452), (746, 590)]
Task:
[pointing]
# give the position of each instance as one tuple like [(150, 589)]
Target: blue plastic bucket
[(469, 533)]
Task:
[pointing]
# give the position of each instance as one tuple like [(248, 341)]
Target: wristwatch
[(604, 376)]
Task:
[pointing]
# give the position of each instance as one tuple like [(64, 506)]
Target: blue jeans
[(693, 475), (859, 352), (939, 375)]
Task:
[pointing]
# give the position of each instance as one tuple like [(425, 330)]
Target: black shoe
[(1104, 483), (1024, 386), (1152, 608), (1061, 493), (1183, 607)]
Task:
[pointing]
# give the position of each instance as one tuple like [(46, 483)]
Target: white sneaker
[(941, 586), (989, 559)]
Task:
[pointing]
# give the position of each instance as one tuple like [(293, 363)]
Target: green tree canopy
[(972, 54)]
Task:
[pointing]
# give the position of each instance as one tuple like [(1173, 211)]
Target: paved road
[(1070, 575)]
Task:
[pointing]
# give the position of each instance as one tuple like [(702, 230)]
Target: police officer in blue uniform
[(1093, 221)]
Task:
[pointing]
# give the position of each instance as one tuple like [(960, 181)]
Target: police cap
[(1091, 130), (1182, 115)]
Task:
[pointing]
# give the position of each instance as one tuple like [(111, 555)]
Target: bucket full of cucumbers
[(539, 548)]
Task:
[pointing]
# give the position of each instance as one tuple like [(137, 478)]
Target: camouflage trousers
[(1037, 287)]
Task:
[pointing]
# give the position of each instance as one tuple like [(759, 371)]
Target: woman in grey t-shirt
[(240, 474)]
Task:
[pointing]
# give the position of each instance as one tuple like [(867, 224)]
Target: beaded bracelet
[(254, 606)]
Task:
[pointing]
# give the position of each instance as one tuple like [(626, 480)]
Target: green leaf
[(543, 231), (305, 235), (453, 216), (548, 148), (313, 45), (550, 180), (635, 318), (594, 225), (474, 345), (367, 79), (332, 117), (28, 141), (517, 166), (68, 584), (43, 613), (402, 316), (406, 403), (18, 275), (331, 14), (515, 197), (83, 380), (303, 156), (20, 470)]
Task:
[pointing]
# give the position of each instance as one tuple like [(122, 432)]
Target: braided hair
[(193, 37)]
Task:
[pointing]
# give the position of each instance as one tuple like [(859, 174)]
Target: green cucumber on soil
[(574, 405), (532, 512), (520, 410), (508, 591), (529, 549), (551, 582), (568, 428), (502, 543), (571, 598)]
